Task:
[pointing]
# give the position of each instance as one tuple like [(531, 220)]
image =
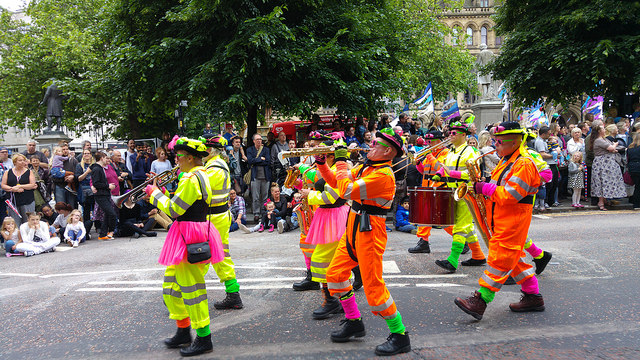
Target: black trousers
[(552, 186), (127, 227), (635, 198), (110, 216)]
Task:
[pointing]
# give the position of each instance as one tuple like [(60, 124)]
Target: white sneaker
[(29, 253), (75, 244), (244, 229), (281, 226)]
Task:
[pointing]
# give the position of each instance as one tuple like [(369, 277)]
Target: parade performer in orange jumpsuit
[(371, 187), (428, 167), (509, 203)]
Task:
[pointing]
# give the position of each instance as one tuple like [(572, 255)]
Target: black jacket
[(99, 180), (633, 155)]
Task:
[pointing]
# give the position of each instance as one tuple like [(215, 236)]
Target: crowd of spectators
[(593, 159)]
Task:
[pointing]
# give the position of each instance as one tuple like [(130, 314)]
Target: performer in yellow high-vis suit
[(455, 171), (219, 177), (184, 290)]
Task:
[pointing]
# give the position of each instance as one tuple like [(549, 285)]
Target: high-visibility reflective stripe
[(496, 272), (319, 276), (513, 192), (523, 184), (225, 246), (307, 246), (523, 274), (203, 190), (325, 198), (493, 181), (180, 203), (461, 167), (464, 234), (320, 264), (340, 285), (385, 203), (171, 292), (384, 306), (220, 192), (196, 300), (193, 288), (363, 188), (331, 192), (490, 281), (170, 279), (308, 255), (389, 317)]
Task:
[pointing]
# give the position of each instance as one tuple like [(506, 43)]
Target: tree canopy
[(563, 49), (138, 59)]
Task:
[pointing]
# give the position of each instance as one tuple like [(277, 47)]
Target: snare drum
[(429, 206)]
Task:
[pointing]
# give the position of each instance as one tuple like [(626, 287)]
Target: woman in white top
[(576, 143), (35, 237), (161, 164)]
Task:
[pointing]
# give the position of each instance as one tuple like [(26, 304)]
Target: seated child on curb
[(269, 218), (10, 233), (74, 232), (402, 217)]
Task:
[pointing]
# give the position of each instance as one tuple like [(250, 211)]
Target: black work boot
[(528, 302), (231, 301), (421, 247), (465, 249), (351, 328), (395, 344), (445, 264), (357, 278), (474, 262), (199, 346), (181, 338), (306, 283), (474, 306), (330, 306), (542, 262)]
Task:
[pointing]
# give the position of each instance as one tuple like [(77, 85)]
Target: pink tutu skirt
[(174, 250), (328, 225)]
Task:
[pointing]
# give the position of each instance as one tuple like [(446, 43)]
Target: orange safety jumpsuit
[(509, 215), (428, 167), (372, 188)]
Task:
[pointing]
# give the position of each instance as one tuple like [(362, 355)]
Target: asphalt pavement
[(103, 300)]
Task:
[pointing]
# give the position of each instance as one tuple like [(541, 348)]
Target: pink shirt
[(112, 178)]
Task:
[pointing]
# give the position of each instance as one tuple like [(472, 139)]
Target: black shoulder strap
[(460, 156)]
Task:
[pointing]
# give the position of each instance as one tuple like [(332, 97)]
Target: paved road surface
[(103, 301)]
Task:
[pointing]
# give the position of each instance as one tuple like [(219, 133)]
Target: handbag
[(627, 178)]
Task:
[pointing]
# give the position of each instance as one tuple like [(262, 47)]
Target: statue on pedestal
[(53, 99), (485, 80)]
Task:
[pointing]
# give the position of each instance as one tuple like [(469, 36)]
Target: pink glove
[(440, 172), (149, 189), (486, 189), (546, 175), (420, 167), (455, 174)]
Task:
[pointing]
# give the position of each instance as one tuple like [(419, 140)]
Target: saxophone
[(305, 215), (292, 177), (475, 202)]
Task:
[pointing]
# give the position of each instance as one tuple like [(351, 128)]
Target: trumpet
[(296, 152), (130, 199), (424, 152)]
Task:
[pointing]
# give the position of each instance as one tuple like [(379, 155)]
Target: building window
[(484, 3), (455, 34), (498, 40), (483, 35), (469, 36)]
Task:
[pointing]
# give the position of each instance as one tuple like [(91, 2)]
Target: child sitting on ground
[(269, 218), (74, 232), (9, 233), (402, 217)]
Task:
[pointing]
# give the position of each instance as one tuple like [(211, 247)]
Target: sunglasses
[(376, 142), (502, 141)]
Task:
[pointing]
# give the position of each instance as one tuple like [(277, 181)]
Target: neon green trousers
[(185, 293), (463, 232), (226, 268), (321, 259)]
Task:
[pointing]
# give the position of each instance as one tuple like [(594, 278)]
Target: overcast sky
[(13, 4)]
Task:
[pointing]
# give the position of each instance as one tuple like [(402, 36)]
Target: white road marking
[(542, 216), (425, 276), (63, 248), (131, 271), (436, 285), (270, 267), (19, 275), (390, 267)]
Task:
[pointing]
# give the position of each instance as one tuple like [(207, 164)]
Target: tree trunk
[(132, 119), (252, 123)]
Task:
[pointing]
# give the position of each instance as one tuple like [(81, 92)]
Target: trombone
[(130, 199), (424, 152)]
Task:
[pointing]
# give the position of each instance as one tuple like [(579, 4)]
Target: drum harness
[(362, 219)]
